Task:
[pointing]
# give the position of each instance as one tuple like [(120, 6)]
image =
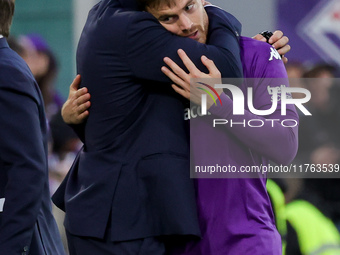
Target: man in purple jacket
[(235, 213)]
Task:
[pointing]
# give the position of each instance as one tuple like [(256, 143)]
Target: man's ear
[(204, 2)]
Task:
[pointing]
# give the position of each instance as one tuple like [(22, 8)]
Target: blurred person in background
[(323, 127), (64, 146), (26, 222), (43, 64), (295, 71), (15, 45), (303, 227)]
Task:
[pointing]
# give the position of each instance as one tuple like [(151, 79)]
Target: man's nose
[(185, 23)]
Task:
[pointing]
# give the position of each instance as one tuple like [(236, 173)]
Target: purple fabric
[(289, 15), (39, 42), (235, 214), (292, 18)]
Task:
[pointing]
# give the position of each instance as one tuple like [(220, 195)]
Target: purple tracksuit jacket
[(235, 214)]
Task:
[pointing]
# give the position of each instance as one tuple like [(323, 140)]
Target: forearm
[(146, 57)]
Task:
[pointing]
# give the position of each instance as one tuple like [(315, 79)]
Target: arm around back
[(148, 43)]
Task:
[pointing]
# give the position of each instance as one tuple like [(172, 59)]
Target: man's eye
[(166, 19), (189, 7)]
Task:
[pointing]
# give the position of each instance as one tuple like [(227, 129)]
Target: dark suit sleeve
[(23, 158), (79, 129), (147, 47)]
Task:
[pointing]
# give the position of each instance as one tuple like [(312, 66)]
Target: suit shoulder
[(10, 60), (215, 10), (14, 72), (118, 24), (126, 16), (143, 20), (230, 20), (142, 29)]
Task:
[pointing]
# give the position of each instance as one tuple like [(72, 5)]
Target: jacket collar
[(3, 43)]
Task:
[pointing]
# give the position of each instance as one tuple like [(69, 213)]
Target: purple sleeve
[(272, 140)]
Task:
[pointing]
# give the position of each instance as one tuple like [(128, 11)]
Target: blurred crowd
[(310, 207), (319, 136)]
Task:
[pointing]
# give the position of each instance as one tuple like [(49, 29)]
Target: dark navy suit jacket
[(131, 180), (26, 222)]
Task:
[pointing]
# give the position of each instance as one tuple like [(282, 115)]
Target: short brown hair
[(155, 3), (6, 15)]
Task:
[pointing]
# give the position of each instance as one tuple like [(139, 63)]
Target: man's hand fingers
[(83, 107), (175, 69), (284, 59), (281, 43), (82, 98), (260, 38), (277, 35), (180, 91), (284, 50), (188, 63), (77, 94), (75, 84), (174, 77), (213, 71), (75, 109), (82, 116)]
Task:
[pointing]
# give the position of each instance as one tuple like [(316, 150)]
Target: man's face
[(184, 18)]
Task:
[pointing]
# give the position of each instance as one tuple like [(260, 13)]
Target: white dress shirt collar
[(1, 36)]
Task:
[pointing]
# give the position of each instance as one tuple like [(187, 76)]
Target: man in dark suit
[(131, 180), (26, 222)]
